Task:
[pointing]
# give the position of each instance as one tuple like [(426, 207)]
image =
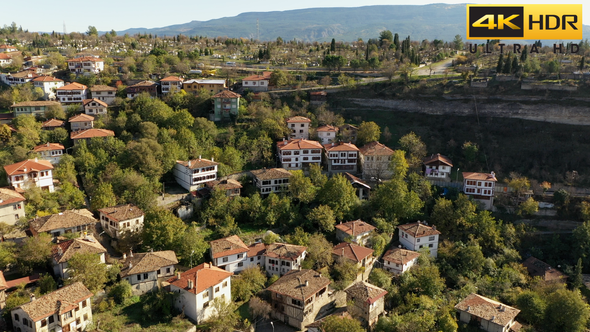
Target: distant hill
[(435, 21)]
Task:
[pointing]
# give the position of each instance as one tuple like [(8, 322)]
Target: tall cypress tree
[(396, 41), (508, 64), (500, 63), (333, 45)]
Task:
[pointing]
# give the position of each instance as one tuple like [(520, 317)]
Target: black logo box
[(475, 13)]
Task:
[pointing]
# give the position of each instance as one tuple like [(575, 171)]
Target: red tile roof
[(479, 176), (171, 79), (227, 94), (356, 226), (73, 86), (352, 251), (328, 128), (4, 56), (88, 101), (340, 147), (27, 166), (298, 144), (48, 147), (53, 123), (9, 197), (35, 103), (298, 119), (400, 256), (285, 251), (81, 118), (47, 79), (418, 229), (256, 249), (438, 159), (197, 163), (86, 58), (122, 212), (24, 280), (376, 149), (264, 77), (203, 276), (90, 133), (59, 301), (227, 246), (97, 88), (62, 252)]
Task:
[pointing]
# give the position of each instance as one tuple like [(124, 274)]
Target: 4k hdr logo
[(524, 22)]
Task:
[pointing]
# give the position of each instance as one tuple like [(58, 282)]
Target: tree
[(278, 78), (192, 246), (339, 195), (385, 35), (323, 217), (92, 31), (249, 282), (224, 317), (500, 63), (519, 183), (458, 42), (70, 197), (532, 306), (380, 278), (528, 207), (392, 200), (301, 188), (334, 323), (368, 132), (577, 280), (566, 311), (333, 45), (319, 252), (88, 269), (399, 165), (103, 197), (334, 62), (415, 148), (162, 230), (325, 81), (344, 272), (7, 254), (259, 309), (121, 291), (315, 174), (35, 252)]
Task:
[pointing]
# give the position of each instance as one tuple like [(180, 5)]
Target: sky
[(46, 16)]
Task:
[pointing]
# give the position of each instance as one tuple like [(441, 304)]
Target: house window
[(68, 315), (167, 270), (216, 289), (431, 238), (224, 284), (85, 316), (418, 240), (84, 303), (206, 304), (206, 295), (43, 322), (77, 321), (145, 276), (251, 259), (51, 319), (16, 318), (225, 259), (240, 264), (430, 245), (138, 277), (240, 255)]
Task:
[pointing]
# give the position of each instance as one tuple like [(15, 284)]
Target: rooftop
[(53, 123), (63, 251), (340, 147), (328, 128), (365, 292), (400, 256), (354, 180), (48, 147), (479, 176), (376, 149), (100, 102), (352, 251), (285, 251), (9, 196), (57, 302), (538, 268), (355, 227), (197, 163), (300, 284), (204, 276), (201, 81), (224, 184), (142, 83), (85, 59), (81, 118), (35, 103), (171, 79), (265, 76), (227, 246), (66, 219), (73, 86), (418, 229), (98, 88), (47, 79), (298, 144), (27, 166), (122, 212), (298, 119), (271, 173), (487, 309), (92, 132), (145, 262), (438, 159), (227, 94), (256, 249)]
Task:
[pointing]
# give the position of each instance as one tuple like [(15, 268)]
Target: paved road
[(265, 326), (437, 68)]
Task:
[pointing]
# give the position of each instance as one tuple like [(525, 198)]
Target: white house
[(255, 255), (7, 48), (198, 287), (5, 59), (81, 122), (257, 82), (142, 270), (357, 230), (171, 84), (50, 151), (86, 64), (327, 134), (63, 251), (341, 157), (69, 221), (438, 167), (37, 108), (88, 134), (193, 174), (66, 309), (94, 106), (490, 315), (375, 159), (299, 153), (49, 85), (399, 260), (480, 187), (299, 126), (19, 78), (12, 206), (282, 258), (229, 253), (72, 93), (271, 180), (30, 172), (419, 235), (104, 93), (121, 218)]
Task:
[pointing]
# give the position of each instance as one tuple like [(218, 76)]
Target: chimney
[(190, 284), (32, 297), (306, 283), (353, 227), (130, 252), (434, 227), (468, 308), (124, 256), (25, 169), (47, 144), (178, 275), (212, 159), (199, 157), (60, 251), (189, 163), (37, 159)]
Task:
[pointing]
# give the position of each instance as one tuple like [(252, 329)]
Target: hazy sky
[(47, 16)]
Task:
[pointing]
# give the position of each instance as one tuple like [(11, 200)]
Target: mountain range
[(434, 21)]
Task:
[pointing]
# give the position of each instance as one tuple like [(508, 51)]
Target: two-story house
[(487, 314), (94, 107), (193, 174), (418, 235), (257, 83), (281, 258), (226, 104), (299, 126), (116, 220), (357, 230), (367, 302), (49, 85), (81, 122), (148, 87), (360, 256), (375, 159), (212, 86), (12, 206), (231, 187), (5, 59), (69, 221), (229, 253), (298, 297), (341, 157), (50, 151), (171, 84), (33, 107), (72, 93), (271, 180), (7, 48), (52, 124), (31, 172), (88, 134), (62, 252), (197, 288), (348, 133), (480, 187), (437, 167), (104, 93), (86, 64), (299, 154), (399, 260), (142, 270), (19, 78), (327, 134), (255, 255), (66, 309)]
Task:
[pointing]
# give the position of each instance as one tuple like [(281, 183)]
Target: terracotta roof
[(62, 252), (81, 118), (227, 246), (35, 103), (487, 309), (227, 94), (318, 93), (538, 268), (9, 196), (88, 101), (438, 159), (352, 251), (145, 262), (365, 292), (340, 147), (264, 77), (354, 180), (57, 302), (358, 226), (48, 147), (47, 79), (66, 219), (143, 83), (53, 123), (90, 133), (328, 128), (201, 81), (479, 176), (98, 88), (285, 251), (24, 280), (25, 74), (289, 285), (298, 144), (400, 256), (122, 212), (197, 163), (4, 56), (376, 149), (2, 281), (418, 229), (171, 79), (271, 173), (73, 86), (30, 165), (204, 276), (256, 249), (298, 119), (224, 184), (85, 59)]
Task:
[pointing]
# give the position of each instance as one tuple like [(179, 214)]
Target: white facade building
[(30, 172), (357, 230), (375, 159), (94, 107), (104, 93), (271, 180), (299, 154), (171, 84), (63, 251), (480, 187), (438, 167), (341, 157), (193, 174), (418, 235), (12, 206), (257, 82), (489, 315), (399, 260), (327, 134), (282, 258), (72, 93), (118, 219), (86, 64), (229, 253), (50, 151), (49, 85), (299, 126), (142, 270)]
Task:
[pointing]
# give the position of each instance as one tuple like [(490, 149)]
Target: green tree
[(224, 317), (528, 207), (339, 195), (415, 149), (89, 270), (458, 42), (333, 45), (336, 323), (278, 78), (319, 252), (92, 31), (323, 217), (192, 246), (35, 252), (317, 178), (500, 63), (380, 278), (333, 62), (577, 280), (301, 187), (121, 291), (392, 200), (103, 197), (532, 306), (7, 254), (566, 311), (249, 282), (70, 197), (47, 284), (162, 230), (368, 132), (385, 35)]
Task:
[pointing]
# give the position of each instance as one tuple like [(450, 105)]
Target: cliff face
[(528, 108)]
